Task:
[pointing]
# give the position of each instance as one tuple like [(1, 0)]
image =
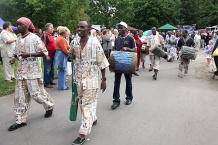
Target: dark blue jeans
[(48, 71), (116, 94)]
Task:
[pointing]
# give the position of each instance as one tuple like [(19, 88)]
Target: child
[(208, 50)]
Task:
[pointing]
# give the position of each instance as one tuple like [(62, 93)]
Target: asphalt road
[(168, 111)]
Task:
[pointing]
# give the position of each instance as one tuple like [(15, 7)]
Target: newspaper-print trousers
[(88, 106), (183, 65), (24, 91)]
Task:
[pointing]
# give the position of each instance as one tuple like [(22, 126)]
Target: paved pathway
[(169, 111)]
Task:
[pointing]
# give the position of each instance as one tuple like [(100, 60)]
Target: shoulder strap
[(45, 39)]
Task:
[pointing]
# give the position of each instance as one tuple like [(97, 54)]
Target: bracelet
[(103, 79)]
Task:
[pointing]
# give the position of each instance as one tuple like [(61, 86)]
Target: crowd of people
[(90, 50)]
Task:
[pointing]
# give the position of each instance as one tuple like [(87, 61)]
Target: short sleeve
[(180, 43), (132, 42), (5, 37), (40, 46), (101, 58)]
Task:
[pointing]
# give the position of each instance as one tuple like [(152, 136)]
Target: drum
[(160, 52), (145, 50), (157, 51), (123, 62), (188, 53)]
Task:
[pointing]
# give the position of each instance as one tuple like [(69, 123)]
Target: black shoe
[(95, 122), (136, 74), (78, 141), (154, 77), (150, 69), (137, 69), (115, 105), (67, 88), (48, 113), (16, 126), (128, 102)]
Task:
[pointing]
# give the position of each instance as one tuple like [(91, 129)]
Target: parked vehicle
[(213, 28)]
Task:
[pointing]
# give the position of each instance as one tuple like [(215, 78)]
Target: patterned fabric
[(183, 64), (29, 68), (24, 91), (88, 105), (87, 63), (171, 50), (85, 74)]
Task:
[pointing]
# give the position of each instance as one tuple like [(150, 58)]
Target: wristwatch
[(103, 79)]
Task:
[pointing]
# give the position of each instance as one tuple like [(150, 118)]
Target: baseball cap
[(123, 24)]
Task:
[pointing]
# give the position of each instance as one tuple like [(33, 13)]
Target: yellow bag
[(215, 53)]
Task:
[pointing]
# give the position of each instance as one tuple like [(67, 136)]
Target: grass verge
[(8, 88)]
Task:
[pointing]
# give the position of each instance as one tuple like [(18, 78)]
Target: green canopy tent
[(167, 27)]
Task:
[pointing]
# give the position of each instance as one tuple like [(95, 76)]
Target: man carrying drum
[(185, 40), (123, 42), (155, 39)]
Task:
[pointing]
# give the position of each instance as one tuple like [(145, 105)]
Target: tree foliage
[(138, 13)]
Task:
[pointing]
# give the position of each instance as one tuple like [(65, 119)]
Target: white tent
[(96, 27)]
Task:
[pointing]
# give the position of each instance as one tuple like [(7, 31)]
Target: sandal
[(16, 126)]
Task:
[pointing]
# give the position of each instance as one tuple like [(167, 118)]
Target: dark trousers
[(216, 63), (48, 71), (116, 94)]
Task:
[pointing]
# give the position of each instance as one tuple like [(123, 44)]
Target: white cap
[(123, 24)]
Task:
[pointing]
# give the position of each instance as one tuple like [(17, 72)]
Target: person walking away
[(8, 39), (184, 63), (29, 83), (123, 42), (48, 60), (89, 58)]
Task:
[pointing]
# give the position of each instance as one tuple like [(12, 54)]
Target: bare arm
[(103, 82), (11, 40)]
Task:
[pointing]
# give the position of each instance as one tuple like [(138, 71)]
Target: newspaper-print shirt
[(29, 68), (88, 62)]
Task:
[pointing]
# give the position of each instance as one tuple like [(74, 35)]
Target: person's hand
[(124, 49), (12, 61), (48, 58), (71, 52), (103, 85)]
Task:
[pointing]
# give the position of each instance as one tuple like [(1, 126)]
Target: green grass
[(8, 88), (5, 87)]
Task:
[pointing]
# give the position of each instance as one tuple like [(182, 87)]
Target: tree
[(155, 13), (106, 11)]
